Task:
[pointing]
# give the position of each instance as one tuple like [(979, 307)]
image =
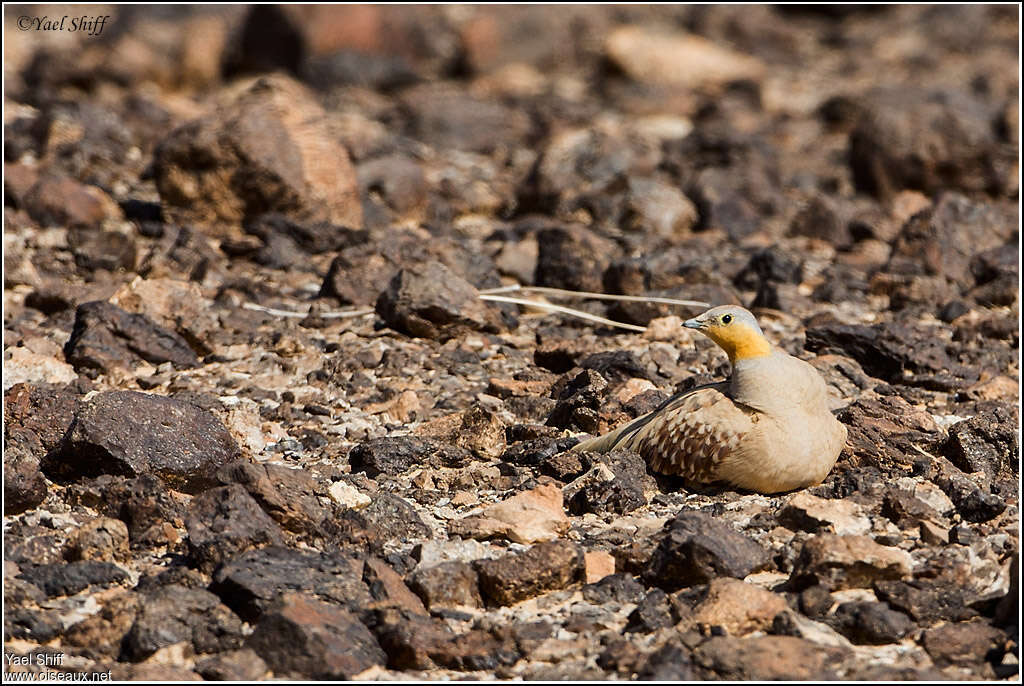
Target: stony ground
[(197, 488)]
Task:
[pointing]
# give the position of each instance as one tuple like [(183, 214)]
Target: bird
[(767, 429)]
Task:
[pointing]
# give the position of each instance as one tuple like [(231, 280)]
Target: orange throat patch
[(740, 342)]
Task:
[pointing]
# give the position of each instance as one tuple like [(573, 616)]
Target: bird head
[(735, 331)]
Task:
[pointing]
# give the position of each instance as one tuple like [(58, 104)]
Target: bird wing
[(692, 434)]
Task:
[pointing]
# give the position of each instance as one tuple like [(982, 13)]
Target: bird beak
[(693, 324)]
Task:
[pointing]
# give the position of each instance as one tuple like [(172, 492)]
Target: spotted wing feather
[(692, 437)]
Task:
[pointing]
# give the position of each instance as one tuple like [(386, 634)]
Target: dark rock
[(815, 601), (106, 337), (985, 443), (174, 614), (431, 301), (766, 658), (43, 409), (288, 495), (624, 493), (233, 665), (398, 183), (450, 118), (129, 433), (255, 580), (24, 485), (33, 625), (361, 272), (614, 588), (882, 432), (697, 548), (964, 643), (387, 587), (268, 40), (449, 584), (110, 250), (579, 403), (735, 199), (67, 579), (223, 522), (397, 454), (671, 662), (943, 240), (905, 510), (544, 567), (652, 613), (872, 623), (422, 643), (926, 600), (268, 150), (615, 366), (544, 453), (572, 257), (395, 518), (312, 237), (929, 141), (847, 562), (891, 351), (353, 68), (558, 356), (770, 265), (143, 503), (305, 637), (57, 200), (821, 218), (972, 502)]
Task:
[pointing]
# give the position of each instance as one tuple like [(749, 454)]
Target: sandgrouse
[(767, 429)]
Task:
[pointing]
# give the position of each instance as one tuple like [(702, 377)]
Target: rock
[(144, 504), (304, 637), (106, 337), (101, 539), (806, 512), (269, 149), (614, 588), (848, 562), (926, 600), (398, 182), (289, 496), (821, 218), (45, 411), (431, 301), (108, 250), (173, 304), (653, 612), (671, 662), (883, 430), (173, 614), (233, 665), (544, 567), (739, 608), (972, 502), (528, 517), (24, 485), (387, 587), (580, 402), (477, 429), (891, 351), (929, 141), (25, 366), (964, 643), (395, 519), (660, 209), (697, 548), (396, 454), (447, 585), (985, 443), (765, 658), (255, 580), (421, 643), (619, 490), (449, 118), (677, 59), (60, 579), (223, 522), (347, 496), (572, 257), (906, 511), (101, 636), (56, 200), (872, 623), (942, 241), (124, 432), (597, 564)]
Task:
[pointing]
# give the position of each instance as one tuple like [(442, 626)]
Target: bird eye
[(726, 318)]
